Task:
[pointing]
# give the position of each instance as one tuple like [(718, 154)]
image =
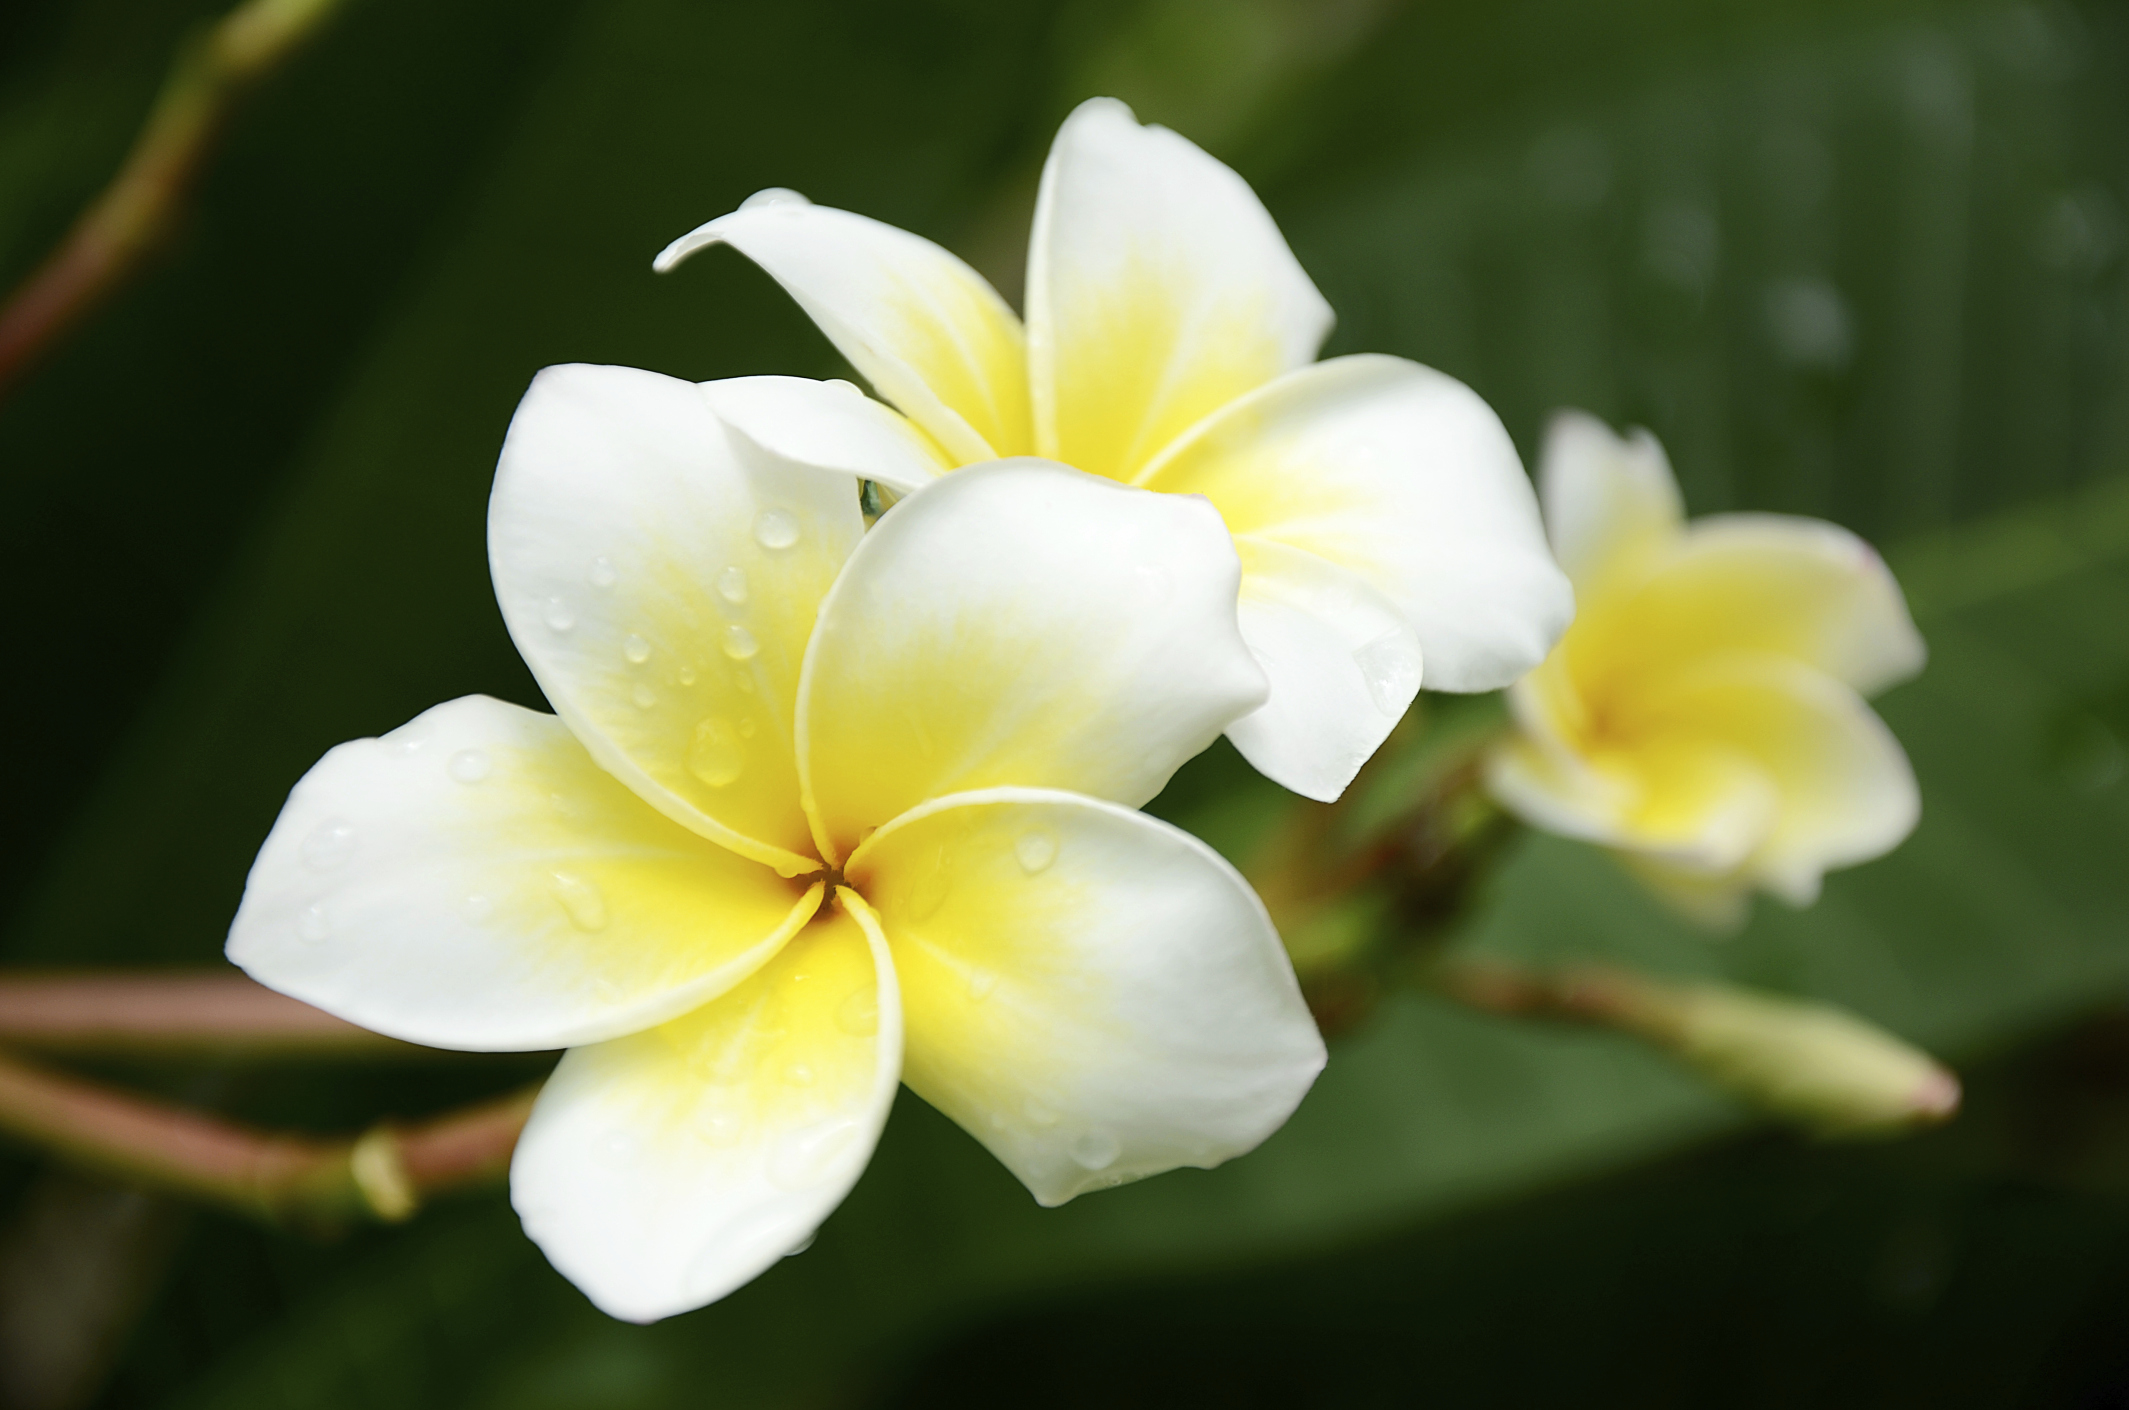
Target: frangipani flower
[(1380, 510), (823, 809), (1704, 717)]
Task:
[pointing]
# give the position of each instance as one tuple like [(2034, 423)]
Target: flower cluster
[(836, 798)]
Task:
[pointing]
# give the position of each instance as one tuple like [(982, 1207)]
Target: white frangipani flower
[(1380, 510), (1704, 716), (823, 809)]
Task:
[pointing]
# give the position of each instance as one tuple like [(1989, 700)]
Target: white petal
[(474, 880), (662, 1170), (829, 426), (660, 576), (1021, 623), (926, 330), (1094, 995), (1343, 663), (1158, 290), (1401, 475), (1610, 502)]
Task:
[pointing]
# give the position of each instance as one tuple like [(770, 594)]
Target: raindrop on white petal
[(636, 649), (687, 675), (982, 983), (846, 386), (799, 1075), (775, 529), (620, 1148), (1040, 1115), (559, 617), (581, 899), (804, 1159), (602, 573), (468, 766), (311, 923), (803, 1244), (715, 756), (732, 585), (1391, 666), (644, 696), (330, 845), (1096, 1149), (1036, 849), (739, 643), (476, 908), (859, 1014), (773, 196)]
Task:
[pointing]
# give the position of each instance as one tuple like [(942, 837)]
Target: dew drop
[(744, 681), (773, 196), (739, 643), (1036, 849), (804, 1159), (687, 675), (718, 1125), (715, 756), (581, 900), (311, 923), (608, 991), (476, 908), (1040, 1115), (620, 1148), (843, 385), (468, 766), (799, 1075), (1096, 1149), (602, 573), (330, 845), (644, 696), (775, 528), (929, 893), (636, 649), (732, 585), (803, 1244), (559, 617), (1391, 666), (747, 727), (982, 984), (859, 1014)]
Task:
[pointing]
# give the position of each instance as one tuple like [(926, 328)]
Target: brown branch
[(149, 1012), (138, 208), (384, 1173)]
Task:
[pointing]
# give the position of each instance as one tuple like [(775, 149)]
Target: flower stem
[(382, 1174), (211, 72), (163, 1013)]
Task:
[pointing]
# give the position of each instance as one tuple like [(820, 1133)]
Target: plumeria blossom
[(821, 809), (1704, 717), (1380, 510)]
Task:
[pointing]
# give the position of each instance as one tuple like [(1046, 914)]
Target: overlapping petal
[(662, 1170), (926, 330), (660, 576), (829, 426), (1402, 475), (1094, 995), (1343, 663), (1021, 623), (1159, 289), (474, 880), (1800, 588)]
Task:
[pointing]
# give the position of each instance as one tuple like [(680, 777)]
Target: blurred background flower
[(1859, 262)]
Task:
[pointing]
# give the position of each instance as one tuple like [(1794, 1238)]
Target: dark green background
[(1861, 260)]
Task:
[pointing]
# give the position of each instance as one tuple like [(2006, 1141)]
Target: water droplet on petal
[(602, 573), (982, 984), (929, 893), (581, 900), (739, 643), (715, 756), (311, 923), (859, 1014), (804, 1159), (468, 766), (744, 682), (687, 675), (644, 696), (799, 1075), (1040, 1115), (1036, 849), (620, 1147), (1096, 1149), (476, 908), (732, 585), (718, 1125), (1391, 666), (330, 845), (559, 617), (773, 196), (747, 727), (843, 385), (803, 1244), (636, 649), (608, 991), (775, 528)]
